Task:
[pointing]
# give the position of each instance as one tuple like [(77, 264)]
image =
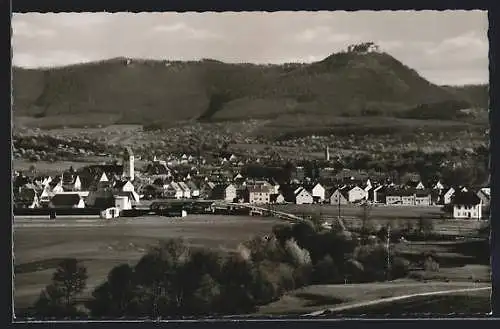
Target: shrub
[(326, 271), (399, 267), (296, 255), (431, 264)]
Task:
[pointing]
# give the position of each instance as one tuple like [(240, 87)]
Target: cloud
[(469, 45), (323, 33), (49, 59), (23, 29), (457, 77), (80, 20), (186, 31)]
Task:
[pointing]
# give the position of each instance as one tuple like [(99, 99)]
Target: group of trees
[(175, 280)]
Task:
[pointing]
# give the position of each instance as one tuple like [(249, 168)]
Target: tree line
[(175, 280)]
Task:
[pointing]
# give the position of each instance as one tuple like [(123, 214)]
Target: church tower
[(128, 164), (327, 153)]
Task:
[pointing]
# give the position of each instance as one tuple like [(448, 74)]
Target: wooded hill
[(147, 91)]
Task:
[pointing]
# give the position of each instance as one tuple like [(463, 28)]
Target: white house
[(368, 185), (377, 194), (110, 213), (122, 202), (46, 195), (485, 195), (46, 181), (356, 194), (77, 184), (438, 186), (58, 188), (258, 194), (124, 186), (227, 192), (274, 187), (186, 192), (104, 178), (277, 198), (338, 197), (467, 205), (420, 186), (318, 191), (448, 195), (175, 190), (303, 197), (195, 191)]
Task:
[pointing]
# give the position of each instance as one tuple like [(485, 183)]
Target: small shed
[(110, 213)]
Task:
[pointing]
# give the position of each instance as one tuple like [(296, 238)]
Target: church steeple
[(128, 164)]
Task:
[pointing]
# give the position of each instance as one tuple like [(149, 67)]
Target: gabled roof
[(423, 193), (183, 186), (258, 189), (192, 186), (352, 187), (120, 184), (175, 186), (131, 195), (66, 199), (301, 191), (157, 168), (274, 197), (342, 191), (466, 198)]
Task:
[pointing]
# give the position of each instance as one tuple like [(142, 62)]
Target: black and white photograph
[(250, 165)]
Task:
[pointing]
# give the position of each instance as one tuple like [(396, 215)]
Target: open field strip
[(397, 298), (309, 299)]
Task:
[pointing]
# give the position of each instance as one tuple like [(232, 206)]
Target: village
[(116, 189)]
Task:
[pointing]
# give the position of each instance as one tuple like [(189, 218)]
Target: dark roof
[(465, 198), (219, 188), (119, 184), (396, 191), (258, 189), (274, 197), (109, 169), (344, 191), (68, 178), (412, 183), (104, 202), (423, 193), (130, 195), (54, 182), (69, 199), (157, 168)]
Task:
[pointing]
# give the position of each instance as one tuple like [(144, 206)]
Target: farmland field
[(376, 212), (397, 216), (477, 304), (318, 297), (50, 167), (102, 245)]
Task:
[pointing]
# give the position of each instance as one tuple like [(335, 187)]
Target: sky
[(446, 47)]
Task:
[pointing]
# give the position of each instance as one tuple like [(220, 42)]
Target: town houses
[(125, 185)]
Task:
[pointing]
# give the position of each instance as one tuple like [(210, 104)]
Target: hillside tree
[(60, 297)]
